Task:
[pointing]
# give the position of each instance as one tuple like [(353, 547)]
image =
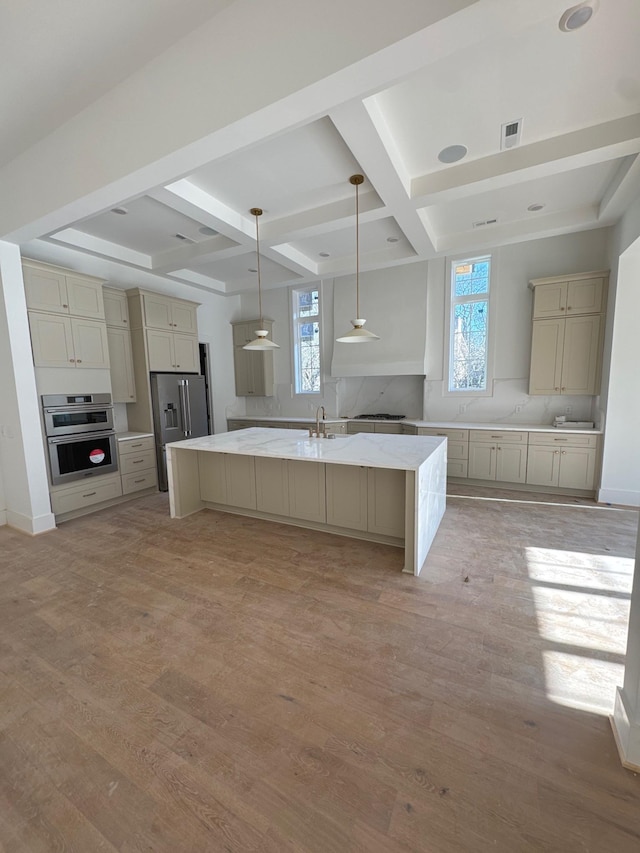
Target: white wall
[(516, 265), (3, 500), (214, 318)]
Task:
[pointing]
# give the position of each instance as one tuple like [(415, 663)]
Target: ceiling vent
[(510, 136), (482, 222), (184, 238)]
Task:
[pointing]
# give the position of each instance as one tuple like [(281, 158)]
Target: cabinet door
[(160, 350), (482, 461), (511, 463), (187, 353), (307, 492), (241, 481), (45, 290), (51, 340), (272, 485), (577, 468), (123, 388), (242, 333), (581, 355), (347, 488), (546, 357), (90, 343), (543, 466), (116, 307), (241, 373), (157, 312), (585, 296), (183, 317), (85, 298), (213, 477), (385, 505), (550, 300)]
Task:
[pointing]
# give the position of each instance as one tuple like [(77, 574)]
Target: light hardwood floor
[(226, 684)]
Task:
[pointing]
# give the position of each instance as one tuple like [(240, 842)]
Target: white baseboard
[(626, 733), (621, 497), (33, 526)]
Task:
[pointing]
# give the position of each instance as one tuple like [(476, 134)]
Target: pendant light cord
[(357, 255), (258, 212)]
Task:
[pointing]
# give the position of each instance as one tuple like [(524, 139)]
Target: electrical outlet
[(462, 408), (518, 409), (568, 410)]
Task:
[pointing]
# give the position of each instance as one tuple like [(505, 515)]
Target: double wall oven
[(81, 439)]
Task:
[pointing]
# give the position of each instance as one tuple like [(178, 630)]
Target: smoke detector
[(510, 134)]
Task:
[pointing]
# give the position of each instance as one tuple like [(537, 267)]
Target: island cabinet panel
[(272, 485), (347, 488), (213, 478), (307, 490), (241, 480), (386, 501)]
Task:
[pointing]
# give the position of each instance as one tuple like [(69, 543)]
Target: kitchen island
[(383, 488)]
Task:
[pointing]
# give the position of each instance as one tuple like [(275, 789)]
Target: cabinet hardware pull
[(137, 445), (65, 306), (496, 436), (562, 309), (79, 361), (556, 388), (88, 495), (568, 307), (561, 439), (140, 481), (556, 451), (564, 452), (177, 365), (72, 360), (136, 461), (125, 321)]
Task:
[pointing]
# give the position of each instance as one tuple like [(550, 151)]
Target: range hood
[(394, 301)]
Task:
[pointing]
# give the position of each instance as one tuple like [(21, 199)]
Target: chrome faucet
[(318, 433)]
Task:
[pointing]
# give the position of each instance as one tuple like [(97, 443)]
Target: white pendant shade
[(261, 342), (358, 335)]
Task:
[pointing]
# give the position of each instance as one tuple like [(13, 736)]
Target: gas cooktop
[(380, 417)]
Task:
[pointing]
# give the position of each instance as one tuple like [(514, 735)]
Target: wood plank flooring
[(221, 683)]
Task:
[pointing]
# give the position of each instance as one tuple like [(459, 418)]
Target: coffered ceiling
[(576, 96)]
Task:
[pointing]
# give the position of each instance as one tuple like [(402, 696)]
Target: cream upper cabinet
[(253, 370), (568, 334), (57, 291), (167, 352), (116, 307), (123, 388), (161, 312), (59, 341)]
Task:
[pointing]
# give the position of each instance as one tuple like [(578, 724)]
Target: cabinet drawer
[(87, 494), (136, 445), (559, 440), (132, 462), (451, 434), (139, 480), (490, 436), (354, 428), (457, 467)]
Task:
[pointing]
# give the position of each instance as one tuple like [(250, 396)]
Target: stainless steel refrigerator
[(179, 403)]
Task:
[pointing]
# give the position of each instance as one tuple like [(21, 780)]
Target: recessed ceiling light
[(578, 16), (534, 207), (208, 232), (392, 239), (323, 254), (452, 153), (122, 211)]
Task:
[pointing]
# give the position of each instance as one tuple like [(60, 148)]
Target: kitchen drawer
[(353, 428), (390, 429), (136, 445), (451, 434), (490, 436), (85, 494), (457, 467), (410, 429), (135, 462), (139, 480), (559, 440)]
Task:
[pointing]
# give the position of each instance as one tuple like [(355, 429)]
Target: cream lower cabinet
[(137, 460), (371, 499), (291, 487), (228, 479), (567, 462), (169, 352), (498, 456), (80, 496), (457, 448), (123, 386), (59, 341)]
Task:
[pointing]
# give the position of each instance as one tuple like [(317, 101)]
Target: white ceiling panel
[(235, 271), (574, 189), (374, 237), (307, 167), (149, 227)]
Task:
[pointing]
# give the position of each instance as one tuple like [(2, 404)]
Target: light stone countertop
[(374, 450), (129, 436), (503, 427), (285, 420)]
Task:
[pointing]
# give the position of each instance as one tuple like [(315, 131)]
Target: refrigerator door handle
[(186, 408)]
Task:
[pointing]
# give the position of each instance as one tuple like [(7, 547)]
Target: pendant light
[(357, 335), (260, 342)]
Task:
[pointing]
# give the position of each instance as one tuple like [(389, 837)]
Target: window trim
[(295, 323), (452, 262)]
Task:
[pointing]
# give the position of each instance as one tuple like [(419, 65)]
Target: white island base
[(382, 488)]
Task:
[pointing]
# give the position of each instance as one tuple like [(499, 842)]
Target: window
[(306, 339), (469, 326)]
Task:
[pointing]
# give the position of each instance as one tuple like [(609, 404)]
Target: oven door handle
[(56, 410), (89, 436)]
